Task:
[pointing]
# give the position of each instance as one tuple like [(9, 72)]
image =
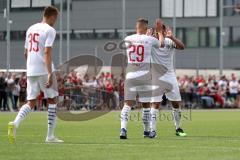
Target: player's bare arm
[(25, 53), (48, 62), (179, 43), (159, 30)]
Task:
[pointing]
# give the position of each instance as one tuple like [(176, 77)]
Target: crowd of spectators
[(90, 92), (75, 91), (87, 92), (12, 91), (209, 92)]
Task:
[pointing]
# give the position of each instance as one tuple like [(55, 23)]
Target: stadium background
[(93, 23)]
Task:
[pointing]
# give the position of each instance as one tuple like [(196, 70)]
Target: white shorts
[(35, 84), (136, 88), (145, 89), (145, 84), (139, 91), (174, 93)]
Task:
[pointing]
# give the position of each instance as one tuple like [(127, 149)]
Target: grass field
[(212, 135)]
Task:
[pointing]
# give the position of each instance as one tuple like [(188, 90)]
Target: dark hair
[(143, 21), (16, 80), (50, 11), (164, 27)]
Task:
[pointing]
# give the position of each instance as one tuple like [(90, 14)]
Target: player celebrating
[(164, 56), (38, 52), (139, 47)]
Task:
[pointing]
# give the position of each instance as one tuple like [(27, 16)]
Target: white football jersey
[(38, 36), (139, 52), (139, 48), (164, 55)]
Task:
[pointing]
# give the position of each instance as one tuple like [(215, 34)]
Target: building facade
[(94, 23)]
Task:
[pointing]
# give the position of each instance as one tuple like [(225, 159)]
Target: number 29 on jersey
[(136, 53)]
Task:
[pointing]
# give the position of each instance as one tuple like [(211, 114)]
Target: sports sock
[(51, 119), (23, 112), (153, 120), (125, 116), (176, 112), (146, 118)]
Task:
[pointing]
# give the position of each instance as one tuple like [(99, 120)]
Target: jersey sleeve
[(127, 42), (169, 43), (50, 37), (156, 43)]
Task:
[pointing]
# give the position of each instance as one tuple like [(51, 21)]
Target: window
[(236, 36), (75, 35), (191, 8), (203, 37), (14, 35), (212, 8), (168, 6), (195, 8), (180, 33), (236, 3), (213, 37), (226, 36), (228, 7), (192, 38), (3, 5), (17, 35), (84, 36), (42, 3), (3, 35), (20, 4)]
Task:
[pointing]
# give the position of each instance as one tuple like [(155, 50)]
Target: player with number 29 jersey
[(139, 48), (139, 53), (38, 36)]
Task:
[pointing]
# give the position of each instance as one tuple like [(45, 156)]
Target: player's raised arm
[(178, 43), (159, 29)]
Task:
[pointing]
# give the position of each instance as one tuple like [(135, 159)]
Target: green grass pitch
[(212, 135)]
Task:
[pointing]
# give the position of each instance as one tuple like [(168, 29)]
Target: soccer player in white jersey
[(164, 56), (139, 47), (40, 76)]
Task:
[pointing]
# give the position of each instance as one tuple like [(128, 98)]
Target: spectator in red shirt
[(110, 97)]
